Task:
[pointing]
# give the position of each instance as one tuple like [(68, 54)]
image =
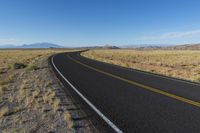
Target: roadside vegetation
[(16, 59), (29, 100), (184, 64)]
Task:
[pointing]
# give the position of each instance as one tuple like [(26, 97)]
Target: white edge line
[(147, 73), (116, 129)]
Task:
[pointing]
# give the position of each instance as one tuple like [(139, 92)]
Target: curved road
[(130, 100)]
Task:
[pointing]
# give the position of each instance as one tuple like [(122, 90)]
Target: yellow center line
[(195, 103)]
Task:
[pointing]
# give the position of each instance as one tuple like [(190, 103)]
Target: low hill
[(33, 45), (165, 46), (187, 47), (101, 47)]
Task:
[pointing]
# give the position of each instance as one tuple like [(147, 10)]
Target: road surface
[(130, 100)]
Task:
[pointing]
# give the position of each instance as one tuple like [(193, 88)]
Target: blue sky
[(98, 22)]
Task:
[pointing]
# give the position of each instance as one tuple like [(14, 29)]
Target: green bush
[(18, 65), (2, 71), (32, 67), (3, 88)]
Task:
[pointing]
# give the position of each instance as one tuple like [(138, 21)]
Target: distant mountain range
[(100, 47), (157, 46), (186, 47), (33, 45), (147, 45), (139, 46)]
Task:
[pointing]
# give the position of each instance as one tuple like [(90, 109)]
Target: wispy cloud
[(171, 35), (4, 41)]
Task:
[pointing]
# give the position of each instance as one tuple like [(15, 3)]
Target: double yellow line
[(191, 102)]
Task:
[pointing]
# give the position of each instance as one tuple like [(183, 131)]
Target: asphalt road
[(130, 100)]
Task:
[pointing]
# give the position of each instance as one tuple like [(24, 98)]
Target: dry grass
[(3, 111), (184, 64), (67, 117), (48, 96), (9, 57), (26, 88)]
